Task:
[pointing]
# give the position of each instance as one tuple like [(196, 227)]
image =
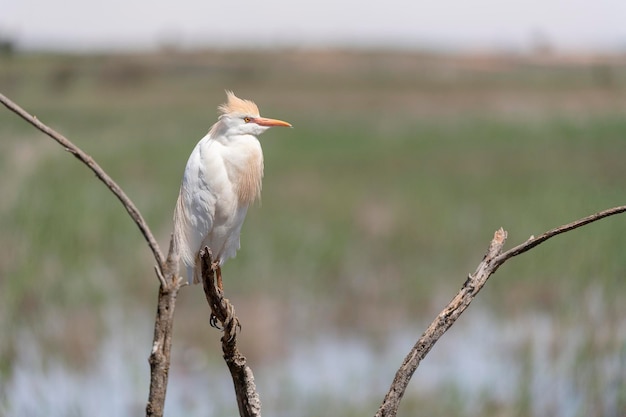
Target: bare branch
[(166, 270), (534, 241), (245, 390), (103, 176), (160, 276), (493, 259), (160, 354), (439, 326)]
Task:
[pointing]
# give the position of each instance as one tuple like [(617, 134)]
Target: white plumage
[(222, 178)]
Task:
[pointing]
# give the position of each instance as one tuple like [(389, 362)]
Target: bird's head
[(241, 117)]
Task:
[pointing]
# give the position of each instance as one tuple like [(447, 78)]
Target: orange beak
[(262, 121)]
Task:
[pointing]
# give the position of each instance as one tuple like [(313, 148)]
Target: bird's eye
[(246, 119)]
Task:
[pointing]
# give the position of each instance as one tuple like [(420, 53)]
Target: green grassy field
[(375, 206)]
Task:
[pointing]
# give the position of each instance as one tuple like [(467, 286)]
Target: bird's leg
[(213, 320), (218, 272), (215, 266)]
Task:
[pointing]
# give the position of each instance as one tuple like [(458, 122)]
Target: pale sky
[(471, 24)]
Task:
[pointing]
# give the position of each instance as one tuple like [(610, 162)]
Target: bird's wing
[(195, 208)]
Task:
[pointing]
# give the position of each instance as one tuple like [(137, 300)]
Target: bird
[(222, 178)]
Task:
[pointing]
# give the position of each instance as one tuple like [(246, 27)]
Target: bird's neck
[(243, 159)]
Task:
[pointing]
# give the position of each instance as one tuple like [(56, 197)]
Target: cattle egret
[(222, 178)]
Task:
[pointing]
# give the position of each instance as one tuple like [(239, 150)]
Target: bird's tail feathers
[(181, 243), (194, 273), (195, 277)]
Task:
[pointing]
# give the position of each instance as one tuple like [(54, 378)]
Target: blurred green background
[(375, 208)]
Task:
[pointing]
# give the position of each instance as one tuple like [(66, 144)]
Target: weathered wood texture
[(223, 311)]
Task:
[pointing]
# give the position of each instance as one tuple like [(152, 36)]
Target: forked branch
[(492, 260), (166, 269)]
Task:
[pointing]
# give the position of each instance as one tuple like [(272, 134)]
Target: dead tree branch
[(100, 173), (534, 241), (160, 355), (440, 325), (492, 260), (248, 399), (166, 269)]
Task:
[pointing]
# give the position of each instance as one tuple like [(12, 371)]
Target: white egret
[(222, 178)]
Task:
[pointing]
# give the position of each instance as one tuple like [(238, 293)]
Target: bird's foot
[(214, 322), (232, 327)]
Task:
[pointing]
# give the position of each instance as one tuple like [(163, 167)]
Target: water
[(531, 363)]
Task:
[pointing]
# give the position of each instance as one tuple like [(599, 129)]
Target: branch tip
[(500, 236)]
